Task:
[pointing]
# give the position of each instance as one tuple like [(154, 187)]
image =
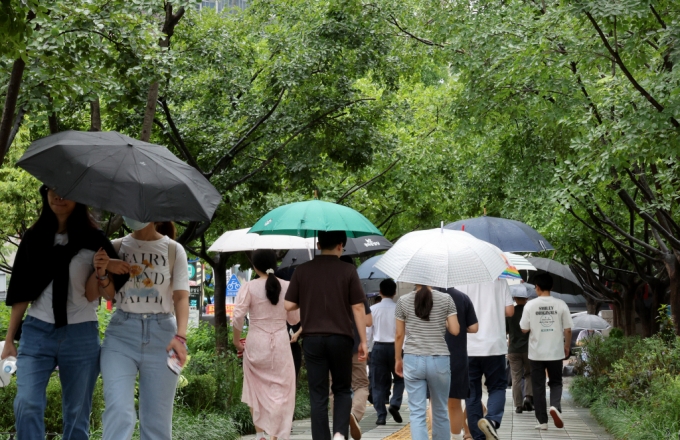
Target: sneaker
[(518, 410), (528, 403), (338, 436), (488, 428), (557, 417), (380, 422), (354, 429), (395, 414), (542, 426)]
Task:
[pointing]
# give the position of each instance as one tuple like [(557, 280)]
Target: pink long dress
[(268, 368)]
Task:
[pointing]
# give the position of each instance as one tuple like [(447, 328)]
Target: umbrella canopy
[(524, 290), (240, 240), (305, 219), (519, 261), (564, 280), (589, 322), (443, 258), (355, 247), (117, 173), (508, 235), (368, 271)]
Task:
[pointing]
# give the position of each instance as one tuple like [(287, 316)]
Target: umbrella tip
[(442, 226)]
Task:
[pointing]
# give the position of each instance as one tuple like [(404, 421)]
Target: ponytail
[(166, 228), (423, 303), (264, 260)]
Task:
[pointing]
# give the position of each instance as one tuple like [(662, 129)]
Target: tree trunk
[(10, 105), (643, 311), (149, 112), (628, 305), (673, 267), (95, 116), (221, 324), (592, 306)]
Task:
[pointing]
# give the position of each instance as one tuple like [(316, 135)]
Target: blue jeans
[(494, 370), (420, 374), (75, 349), (136, 343)]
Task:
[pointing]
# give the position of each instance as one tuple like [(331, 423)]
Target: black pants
[(383, 375), (297, 357), (538, 383), (324, 354)]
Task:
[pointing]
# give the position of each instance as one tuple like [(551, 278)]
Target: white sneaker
[(457, 436), (338, 436), (557, 417), (542, 426)]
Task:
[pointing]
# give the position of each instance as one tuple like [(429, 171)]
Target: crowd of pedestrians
[(437, 344)]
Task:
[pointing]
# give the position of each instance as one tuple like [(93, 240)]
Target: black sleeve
[(368, 309), (118, 280), (471, 315)]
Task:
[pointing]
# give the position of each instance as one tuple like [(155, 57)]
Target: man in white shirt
[(382, 356), (486, 356), (549, 322)]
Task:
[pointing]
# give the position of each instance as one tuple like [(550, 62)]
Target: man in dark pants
[(549, 322), (460, 380), (486, 356), (328, 292), (382, 362)]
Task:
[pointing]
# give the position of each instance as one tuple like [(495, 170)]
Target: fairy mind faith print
[(147, 271)]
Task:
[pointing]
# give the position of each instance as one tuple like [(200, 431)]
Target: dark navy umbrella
[(564, 280), (119, 174), (508, 235)]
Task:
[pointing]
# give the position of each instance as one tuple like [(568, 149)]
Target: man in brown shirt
[(328, 292)]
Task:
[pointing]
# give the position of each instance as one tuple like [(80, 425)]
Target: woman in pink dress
[(268, 367)]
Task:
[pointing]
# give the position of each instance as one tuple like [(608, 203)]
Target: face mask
[(135, 225)]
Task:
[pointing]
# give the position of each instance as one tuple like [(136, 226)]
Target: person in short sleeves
[(548, 322), (422, 319), (142, 331)]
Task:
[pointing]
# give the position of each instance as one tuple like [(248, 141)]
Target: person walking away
[(383, 363), (143, 330), (328, 293), (460, 380), (548, 322), (268, 367), (425, 315), (518, 356), (486, 356), (55, 270)]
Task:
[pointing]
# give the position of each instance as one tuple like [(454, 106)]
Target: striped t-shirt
[(425, 338)]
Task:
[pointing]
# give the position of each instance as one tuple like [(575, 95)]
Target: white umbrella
[(443, 258), (590, 322), (240, 240), (519, 261)]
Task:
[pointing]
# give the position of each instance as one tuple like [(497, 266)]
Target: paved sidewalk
[(579, 425)]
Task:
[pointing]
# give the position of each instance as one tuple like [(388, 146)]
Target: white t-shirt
[(489, 300), (547, 318), (78, 308), (150, 287)]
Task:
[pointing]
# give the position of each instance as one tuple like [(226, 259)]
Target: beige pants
[(520, 367), (359, 387)]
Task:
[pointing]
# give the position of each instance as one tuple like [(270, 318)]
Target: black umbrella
[(116, 173), (508, 235), (355, 247), (564, 280)]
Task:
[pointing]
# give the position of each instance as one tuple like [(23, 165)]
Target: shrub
[(204, 426), (199, 394)]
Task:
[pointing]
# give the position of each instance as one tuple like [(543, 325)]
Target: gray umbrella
[(524, 290), (116, 173), (589, 322), (564, 280), (355, 247)]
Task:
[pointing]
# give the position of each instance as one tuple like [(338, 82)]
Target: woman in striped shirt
[(423, 317)]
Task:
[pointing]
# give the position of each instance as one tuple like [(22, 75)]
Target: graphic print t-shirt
[(150, 287), (546, 317)]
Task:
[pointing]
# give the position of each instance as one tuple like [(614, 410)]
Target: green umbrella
[(304, 219)]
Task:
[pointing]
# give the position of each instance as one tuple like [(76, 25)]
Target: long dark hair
[(423, 303), (263, 260), (166, 228), (78, 224)]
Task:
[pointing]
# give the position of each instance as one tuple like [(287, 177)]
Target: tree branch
[(181, 146), (356, 188)]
